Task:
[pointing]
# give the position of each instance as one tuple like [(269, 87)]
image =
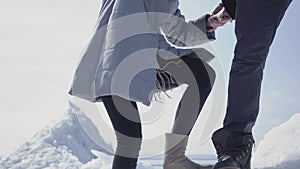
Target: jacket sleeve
[(179, 37), (186, 34)]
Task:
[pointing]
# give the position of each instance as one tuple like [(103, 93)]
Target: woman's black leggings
[(125, 117)]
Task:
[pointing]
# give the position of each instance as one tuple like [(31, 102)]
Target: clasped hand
[(218, 18)]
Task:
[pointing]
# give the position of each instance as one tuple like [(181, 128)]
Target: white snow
[(280, 148), (64, 145)]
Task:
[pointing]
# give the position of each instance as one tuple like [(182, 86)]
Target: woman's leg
[(193, 72), (125, 119), (200, 77), (199, 87)]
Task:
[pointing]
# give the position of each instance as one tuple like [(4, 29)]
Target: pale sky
[(41, 42)]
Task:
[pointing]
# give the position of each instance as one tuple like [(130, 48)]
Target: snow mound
[(65, 145), (280, 148)]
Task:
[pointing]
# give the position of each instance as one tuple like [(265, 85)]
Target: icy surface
[(64, 145), (280, 148)]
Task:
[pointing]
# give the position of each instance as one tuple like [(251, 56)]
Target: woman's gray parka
[(120, 58)]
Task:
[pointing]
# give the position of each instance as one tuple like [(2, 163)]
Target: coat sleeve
[(186, 34), (179, 37)]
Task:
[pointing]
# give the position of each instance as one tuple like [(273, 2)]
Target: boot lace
[(237, 153)]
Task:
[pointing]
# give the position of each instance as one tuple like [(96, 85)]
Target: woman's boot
[(175, 153)]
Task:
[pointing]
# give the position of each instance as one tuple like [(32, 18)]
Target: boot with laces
[(234, 150)]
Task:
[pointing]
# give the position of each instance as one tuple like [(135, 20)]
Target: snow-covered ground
[(65, 145), (280, 148)]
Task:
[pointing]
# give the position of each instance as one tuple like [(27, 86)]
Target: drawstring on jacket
[(164, 80)]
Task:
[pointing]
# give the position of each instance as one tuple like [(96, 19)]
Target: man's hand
[(218, 18)]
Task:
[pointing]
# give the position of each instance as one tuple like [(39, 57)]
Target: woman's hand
[(218, 18)]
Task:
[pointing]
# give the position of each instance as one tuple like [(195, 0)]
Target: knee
[(248, 66), (207, 81)]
